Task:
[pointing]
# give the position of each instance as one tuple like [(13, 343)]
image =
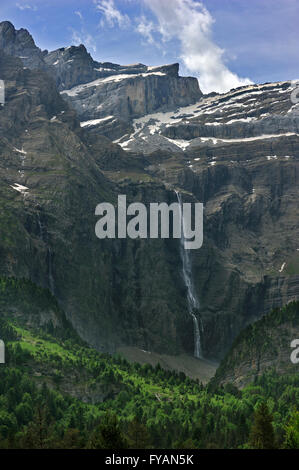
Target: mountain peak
[(6, 25), (10, 35), (20, 43)]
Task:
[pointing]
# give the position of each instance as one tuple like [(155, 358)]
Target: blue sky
[(224, 43)]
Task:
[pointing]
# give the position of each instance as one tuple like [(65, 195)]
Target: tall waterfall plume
[(192, 299)]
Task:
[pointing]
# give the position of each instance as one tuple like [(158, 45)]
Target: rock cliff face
[(73, 66), (20, 43), (264, 345), (254, 115), (128, 96), (115, 95), (103, 93), (237, 153), (51, 182)]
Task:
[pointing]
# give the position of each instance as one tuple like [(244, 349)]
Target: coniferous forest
[(56, 392)]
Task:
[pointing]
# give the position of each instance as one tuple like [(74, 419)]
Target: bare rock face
[(237, 153), (252, 115), (73, 66), (51, 182), (19, 43), (99, 90), (126, 96), (105, 90)]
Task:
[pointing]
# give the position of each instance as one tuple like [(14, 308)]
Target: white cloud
[(25, 6), (191, 23), (146, 28), (78, 13), (111, 14), (81, 37)]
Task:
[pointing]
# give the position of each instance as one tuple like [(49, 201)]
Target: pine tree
[(292, 432), (107, 435), (38, 432), (72, 439), (137, 435), (262, 433)]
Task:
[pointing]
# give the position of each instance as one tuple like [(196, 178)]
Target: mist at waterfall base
[(192, 299)]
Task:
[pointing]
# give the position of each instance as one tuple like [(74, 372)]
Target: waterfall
[(192, 299), (40, 226), (51, 279), (49, 254), (43, 236)]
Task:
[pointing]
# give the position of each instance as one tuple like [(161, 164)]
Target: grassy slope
[(54, 348), (86, 384)]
